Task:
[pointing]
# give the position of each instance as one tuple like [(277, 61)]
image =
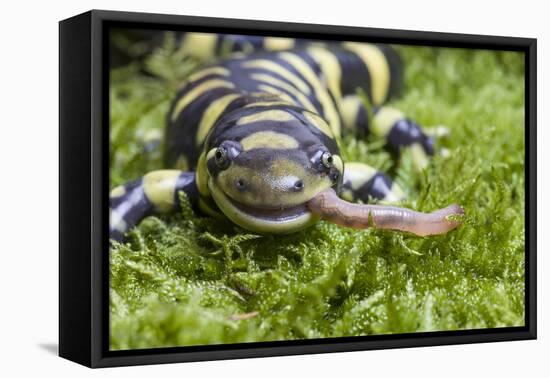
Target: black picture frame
[(83, 196)]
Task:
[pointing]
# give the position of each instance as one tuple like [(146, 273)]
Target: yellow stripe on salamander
[(268, 103), (275, 115), (278, 43), (331, 69), (329, 108), (350, 106), (338, 163), (319, 123), (211, 115), (378, 67), (306, 103), (282, 95), (384, 120), (358, 174), (119, 191), (220, 71), (200, 89), (279, 70), (269, 139), (159, 187), (201, 174), (200, 45)]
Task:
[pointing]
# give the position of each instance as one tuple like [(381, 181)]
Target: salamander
[(254, 137)]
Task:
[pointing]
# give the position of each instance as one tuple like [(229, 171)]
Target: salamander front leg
[(154, 193), (364, 183)]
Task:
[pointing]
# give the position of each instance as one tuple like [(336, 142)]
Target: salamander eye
[(221, 158), (327, 159)]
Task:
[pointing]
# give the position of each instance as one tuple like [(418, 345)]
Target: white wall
[(28, 152)]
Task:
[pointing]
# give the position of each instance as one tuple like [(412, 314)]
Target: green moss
[(187, 279)]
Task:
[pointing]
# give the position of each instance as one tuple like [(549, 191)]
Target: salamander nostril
[(299, 185), (241, 184)]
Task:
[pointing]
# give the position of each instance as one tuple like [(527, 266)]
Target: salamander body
[(255, 137)]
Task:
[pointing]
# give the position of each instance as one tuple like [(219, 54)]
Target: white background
[(29, 187)]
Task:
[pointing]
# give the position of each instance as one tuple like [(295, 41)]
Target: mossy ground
[(187, 279)]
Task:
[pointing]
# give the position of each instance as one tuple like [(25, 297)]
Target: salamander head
[(267, 165)]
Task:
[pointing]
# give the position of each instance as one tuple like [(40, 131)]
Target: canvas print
[(268, 189)]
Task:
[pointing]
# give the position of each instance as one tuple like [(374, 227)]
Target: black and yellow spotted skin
[(253, 137)]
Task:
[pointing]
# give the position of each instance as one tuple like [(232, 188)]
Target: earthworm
[(330, 207)]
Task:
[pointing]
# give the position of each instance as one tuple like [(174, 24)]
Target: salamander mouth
[(279, 214), (280, 220)]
